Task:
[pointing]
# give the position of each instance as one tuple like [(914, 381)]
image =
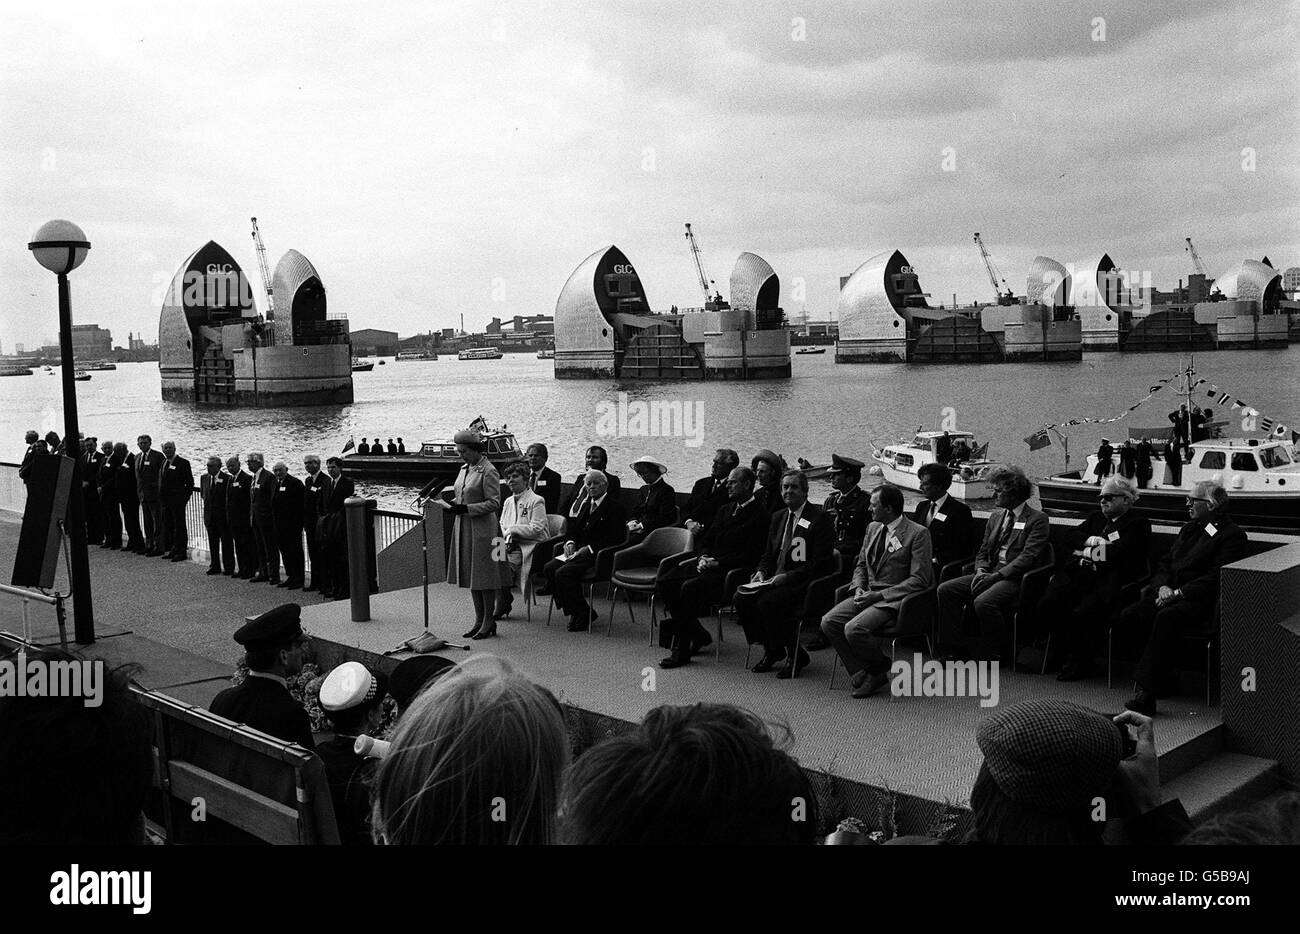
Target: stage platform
[(910, 761)]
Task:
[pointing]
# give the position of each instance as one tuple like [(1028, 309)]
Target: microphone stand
[(430, 490)]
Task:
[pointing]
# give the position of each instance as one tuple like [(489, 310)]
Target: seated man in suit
[(600, 523), (1107, 551), (952, 529), (596, 459), (1015, 542), (733, 539), (894, 562), (710, 493), (800, 545), (542, 480), (656, 506), (1183, 593)]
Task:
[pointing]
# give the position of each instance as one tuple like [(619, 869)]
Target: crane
[(712, 302), (266, 272), (1196, 258), (1004, 298)]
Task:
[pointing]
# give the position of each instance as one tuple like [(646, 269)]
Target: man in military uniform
[(849, 506), (238, 522), (352, 696), (175, 489), (316, 495), (273, 649)]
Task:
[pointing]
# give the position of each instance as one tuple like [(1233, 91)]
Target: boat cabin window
[(1244, 460), (1274, 457), (1213, 460), (904, 460)]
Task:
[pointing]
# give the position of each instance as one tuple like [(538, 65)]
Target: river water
[(823, 408)]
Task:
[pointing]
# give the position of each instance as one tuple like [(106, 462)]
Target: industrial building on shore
[(215, 349), (604, 328)]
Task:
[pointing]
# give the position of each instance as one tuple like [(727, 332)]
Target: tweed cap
[(1049, 754)]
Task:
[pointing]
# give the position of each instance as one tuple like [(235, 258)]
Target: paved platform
[(922, 747)]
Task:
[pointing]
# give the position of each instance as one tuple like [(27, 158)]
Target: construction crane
[(1196, 257), (1004, 298), (266, 271), (712, 302)]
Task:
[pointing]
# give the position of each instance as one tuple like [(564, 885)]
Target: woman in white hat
[(656, 502), (475, 501)]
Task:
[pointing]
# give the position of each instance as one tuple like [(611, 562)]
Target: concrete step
[(1228, 781)]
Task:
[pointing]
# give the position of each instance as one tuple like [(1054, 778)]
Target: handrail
[(26, 594)]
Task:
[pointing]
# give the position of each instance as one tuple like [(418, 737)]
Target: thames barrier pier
[(604, 328), (215, 349)]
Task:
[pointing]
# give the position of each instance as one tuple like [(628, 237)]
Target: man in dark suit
[(600, 523), (894, 561), (334, 532), (175, 489), (596, 459), (800, 547), (34, 444), (274, 644), (262, 517), (88, 464), (106, 486), (212, 493), (316, 490), (542, 480), (128, 497), (1142, 463), (148, 473), (656, 506), (287, 508), (709, 494), (1015, 542), (734, 538), (1107, 551), (1183, 593), (948, 519), (239, 518)]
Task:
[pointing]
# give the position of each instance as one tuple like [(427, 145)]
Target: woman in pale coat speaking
[(475, 501)]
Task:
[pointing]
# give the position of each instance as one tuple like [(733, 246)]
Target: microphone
[(370, 747), (431, 489)]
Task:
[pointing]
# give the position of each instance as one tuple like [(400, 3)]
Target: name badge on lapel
[(802, 523), (1210, 529), (940, 517), (171, 466), (1113, 536), (892, 544), (541, 483), (1019, 526), (282, 489)]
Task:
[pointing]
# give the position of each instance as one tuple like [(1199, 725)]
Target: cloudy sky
[(436, 159)]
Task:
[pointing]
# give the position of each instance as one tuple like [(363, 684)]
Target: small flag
[(1237, 404), (1222, 398), (1281, 431), (1266, 424), (352, 442), (478, 424), (1038, 439)]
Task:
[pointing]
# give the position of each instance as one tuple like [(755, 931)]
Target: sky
[(439, 159)]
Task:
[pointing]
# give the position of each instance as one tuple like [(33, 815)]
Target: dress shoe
[(700, 646), (817, 643), (793, 666), (543, 591), (871, 685), (766, 663), (502, 613), (257, 579), (471, 634), (179, 558), (293, 585), (860, 678), (1143, 702), (230, 573), (581, 625), (675, 660), (485, 634), (274, 581)]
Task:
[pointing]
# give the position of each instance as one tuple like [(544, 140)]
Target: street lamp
[(61, 246)]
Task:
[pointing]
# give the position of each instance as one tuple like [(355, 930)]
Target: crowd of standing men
[(256, 519)]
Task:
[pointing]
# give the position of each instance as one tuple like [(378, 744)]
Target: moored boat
[(362, 366), (15, 371), (434, 459), (81, 376), (804, 350), (480, 353), (967, 461), (546, 354), (415, 355)]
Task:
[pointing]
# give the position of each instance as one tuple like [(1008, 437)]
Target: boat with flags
[(967, 459), (1260, 474), (434, 459)]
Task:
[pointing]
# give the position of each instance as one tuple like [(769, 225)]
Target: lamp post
[(61, 246)]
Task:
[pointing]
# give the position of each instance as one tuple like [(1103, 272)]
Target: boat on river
[(434, 460), (901, 462)]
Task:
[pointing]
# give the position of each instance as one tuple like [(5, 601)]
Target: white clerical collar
[(269, 677)]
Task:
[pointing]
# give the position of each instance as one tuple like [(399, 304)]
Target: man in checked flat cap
[(273, 648), (352, 696)]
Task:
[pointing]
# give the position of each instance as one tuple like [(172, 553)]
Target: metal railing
[(55, 600), (390, 525)]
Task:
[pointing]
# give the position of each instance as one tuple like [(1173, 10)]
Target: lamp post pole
[(83, 613)]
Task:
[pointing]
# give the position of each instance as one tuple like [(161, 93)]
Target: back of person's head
[(1275, 821), (477, 758), (706, 774), (73, 774)]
